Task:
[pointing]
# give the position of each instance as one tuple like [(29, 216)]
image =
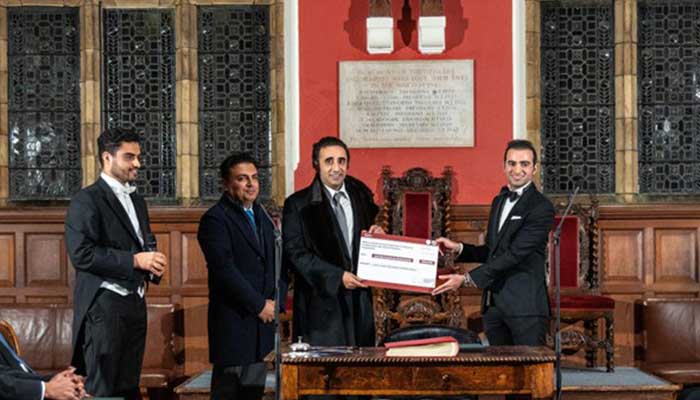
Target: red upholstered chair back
[(417, 214), (416, 204), (569, 249), (577, 245)]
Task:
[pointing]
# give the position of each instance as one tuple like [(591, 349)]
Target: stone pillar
[(626, 148), (90, 89), (187, 101), (533, 76), (277, 83)]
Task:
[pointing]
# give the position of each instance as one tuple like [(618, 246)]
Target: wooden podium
[(366, 371)]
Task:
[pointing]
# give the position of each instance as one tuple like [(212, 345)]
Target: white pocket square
[(514, 217)]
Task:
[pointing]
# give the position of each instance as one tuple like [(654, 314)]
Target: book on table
[(444, 346)]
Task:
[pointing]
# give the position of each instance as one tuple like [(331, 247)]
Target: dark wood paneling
[(622, 259), (675, 257), (194, 270), (196, 337), (163, 240), (46, 260), (7, 260)]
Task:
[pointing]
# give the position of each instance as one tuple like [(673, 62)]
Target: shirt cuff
[(43, 390), (468, 281), (461, 247)]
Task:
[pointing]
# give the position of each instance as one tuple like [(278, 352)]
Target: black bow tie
[(512, 195)]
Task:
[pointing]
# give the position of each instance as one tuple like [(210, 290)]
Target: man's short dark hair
[(233, 160), (112, 138), (521, 144), (327, 142)]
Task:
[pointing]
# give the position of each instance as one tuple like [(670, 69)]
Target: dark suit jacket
[(241, 278), (513, 272), (101, 243), (325, 313), (15, 383)]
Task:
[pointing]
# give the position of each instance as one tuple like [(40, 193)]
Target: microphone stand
[(557, 291), (278, 275)]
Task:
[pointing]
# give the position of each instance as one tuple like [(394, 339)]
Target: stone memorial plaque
[(407, 103)]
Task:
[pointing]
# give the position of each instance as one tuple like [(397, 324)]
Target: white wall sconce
[(431, 27), (380, 28)]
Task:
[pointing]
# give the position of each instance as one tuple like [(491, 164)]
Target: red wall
[(334, 30)]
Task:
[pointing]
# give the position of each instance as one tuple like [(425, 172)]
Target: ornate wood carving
[(587, 214), (379, 8), (431, 8), (394, 309)]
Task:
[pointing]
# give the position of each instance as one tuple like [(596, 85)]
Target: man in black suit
[(107, 232), (515, 304), (237, 239), (19, 382), (321, 231)]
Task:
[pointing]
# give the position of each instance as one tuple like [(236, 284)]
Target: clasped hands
[(65, 385)]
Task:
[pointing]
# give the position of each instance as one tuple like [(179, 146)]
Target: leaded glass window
[(43, 102), (669, 96), (578, 97), (139, 90), (234, 91)]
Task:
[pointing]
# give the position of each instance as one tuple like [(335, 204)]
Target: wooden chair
[(10, 336), (580, 293), (417, 205)]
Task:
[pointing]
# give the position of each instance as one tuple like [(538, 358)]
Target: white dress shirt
[(122, 193), (509, 204)]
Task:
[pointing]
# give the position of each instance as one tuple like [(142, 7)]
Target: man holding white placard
[(515, 303), (321, 231)]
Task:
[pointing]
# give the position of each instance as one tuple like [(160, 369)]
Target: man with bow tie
[(109, 241), (515, 304), (237, 239)]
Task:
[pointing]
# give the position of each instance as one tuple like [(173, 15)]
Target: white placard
[(398, 262), (407, 103)]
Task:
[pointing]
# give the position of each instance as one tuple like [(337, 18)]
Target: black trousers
[(508, 331), (240, 382), (115, 339)]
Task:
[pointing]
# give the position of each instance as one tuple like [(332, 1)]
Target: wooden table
[(366, 371)]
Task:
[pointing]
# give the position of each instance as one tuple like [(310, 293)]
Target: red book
[(443, 346)]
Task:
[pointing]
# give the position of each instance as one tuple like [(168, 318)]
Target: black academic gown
[(325, 313)]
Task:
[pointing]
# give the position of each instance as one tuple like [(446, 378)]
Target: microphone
[(269, 218), (150, 244), (557, 295), (278, 301)]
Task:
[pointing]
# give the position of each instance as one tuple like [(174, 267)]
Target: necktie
[(251, 217), (130, 211), (14, 355), (342, 220)]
